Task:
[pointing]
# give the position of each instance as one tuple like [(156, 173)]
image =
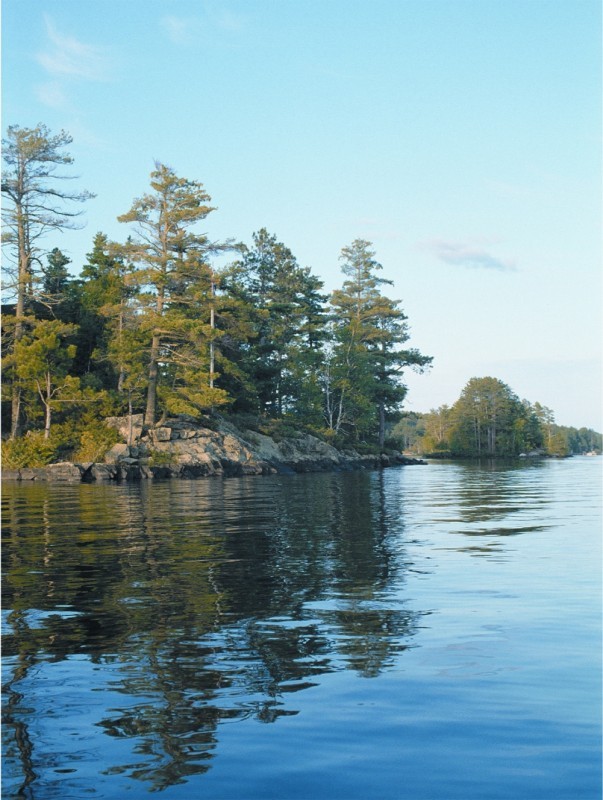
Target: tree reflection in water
[(206, 602)]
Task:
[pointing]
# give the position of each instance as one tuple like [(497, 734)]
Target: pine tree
[(363, 376), (35, 204), (56, 274), (43, 357), (286, 312), (106, 313), (485, 417), (170, 259)]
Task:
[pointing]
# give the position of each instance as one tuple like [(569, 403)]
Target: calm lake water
[(421, 633)]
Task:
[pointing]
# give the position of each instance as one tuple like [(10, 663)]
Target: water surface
[(421, 633)]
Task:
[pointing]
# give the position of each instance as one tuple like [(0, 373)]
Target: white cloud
[(67, 57), (214, 19), (468, 255), (51, 95), (180, 30), (229, 20)]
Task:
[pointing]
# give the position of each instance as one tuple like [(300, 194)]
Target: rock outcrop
[(183, 448)]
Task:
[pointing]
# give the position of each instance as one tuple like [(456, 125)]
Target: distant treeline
[(488, 419)]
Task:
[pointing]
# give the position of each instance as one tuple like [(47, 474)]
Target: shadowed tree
[(485, 417), (286, 311)]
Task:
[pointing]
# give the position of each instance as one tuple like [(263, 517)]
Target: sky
[(461, 137)]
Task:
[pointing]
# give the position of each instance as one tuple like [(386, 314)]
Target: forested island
[(169, 324), (489, 420)]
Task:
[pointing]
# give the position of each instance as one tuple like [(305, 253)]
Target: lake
[(418, 633)]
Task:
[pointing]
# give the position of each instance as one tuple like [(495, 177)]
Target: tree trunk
[(381, 426), (122, 373), (149, 417), (151, 410), (15, 420), (22, 282), (48, 409), (129, 418), (339, 412), (212, 325)]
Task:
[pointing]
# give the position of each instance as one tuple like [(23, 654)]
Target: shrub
[(31, 450), (95, 441), (160, 458)]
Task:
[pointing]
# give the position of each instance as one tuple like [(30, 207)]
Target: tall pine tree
[(363, 379), (35, 203), (170, 259), (286, 311)]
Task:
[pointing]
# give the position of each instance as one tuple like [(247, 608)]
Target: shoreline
[(181, 448)]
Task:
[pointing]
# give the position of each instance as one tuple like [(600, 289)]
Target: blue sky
[(461, 137)]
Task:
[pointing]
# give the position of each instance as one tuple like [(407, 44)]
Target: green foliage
[(31, 450), (279, 429), (160, 458), (169, 275), (56, 274), (34, 203), (483, 419), (363, 371), (94, 441), (43, 356), (489, 420), (285, 329)]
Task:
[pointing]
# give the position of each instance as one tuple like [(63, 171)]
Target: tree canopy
[(488, 420), (35, 204)]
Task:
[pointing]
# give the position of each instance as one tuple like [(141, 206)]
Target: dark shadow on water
[(200, 604), (140, 621)]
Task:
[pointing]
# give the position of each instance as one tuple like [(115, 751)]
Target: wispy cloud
[(229, 20), (181, 30), (67, 57), (52, 95), (471, 256), (186, 30)]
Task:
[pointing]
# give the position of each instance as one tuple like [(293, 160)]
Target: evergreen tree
[(34, 204), (60, 295), (106, 314), (527, 433), (485, 418), (286, 313), (170, 259), (56, 274), (43, 357), (546, 419), (363, 378)]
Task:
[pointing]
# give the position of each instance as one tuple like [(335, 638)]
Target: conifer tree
[(56, 274), (35, 203), (286, 311), (363, 376), (485, 417), (43, 357), (169, 259), (106, 313)]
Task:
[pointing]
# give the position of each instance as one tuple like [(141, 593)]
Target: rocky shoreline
[(182, 448)]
